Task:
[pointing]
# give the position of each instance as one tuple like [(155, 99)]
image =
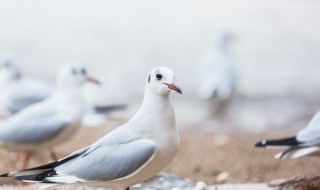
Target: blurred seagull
[(217, 73), (50, 122), (132, 153), (100, 102), (304, 143), (16, 90)]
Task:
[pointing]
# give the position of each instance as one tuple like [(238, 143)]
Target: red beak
[(93, 80), (174, 87)]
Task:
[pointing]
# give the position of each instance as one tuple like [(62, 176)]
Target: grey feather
[(109, 162), (20, 103), (33, 127)]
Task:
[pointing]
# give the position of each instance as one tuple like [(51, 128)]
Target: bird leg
[(53, 155), (26, 158)]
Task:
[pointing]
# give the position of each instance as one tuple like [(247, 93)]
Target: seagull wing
[(117, 155), (311, 134), (33, 126), (26, 92)]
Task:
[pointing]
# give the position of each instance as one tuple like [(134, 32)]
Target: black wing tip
[(291, 141), (261, 144), (37, 177), (5, 175)]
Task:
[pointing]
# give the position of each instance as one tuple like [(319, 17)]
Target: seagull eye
[(158, 76)]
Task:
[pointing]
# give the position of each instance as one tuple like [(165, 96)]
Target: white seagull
[(16, 90), (132, 153), (306, 142), (217, 71), (50, 122)]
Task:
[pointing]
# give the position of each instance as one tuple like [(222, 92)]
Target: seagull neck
[(70, 93), (156, 108), (70, 101)]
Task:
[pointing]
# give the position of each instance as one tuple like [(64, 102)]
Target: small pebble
[(200, 186), (223, 177), (220, 139)]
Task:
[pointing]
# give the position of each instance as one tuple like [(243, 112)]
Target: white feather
[(65, 179), (303, 152)]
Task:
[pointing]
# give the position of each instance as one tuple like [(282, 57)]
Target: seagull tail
[(37, 170), (295, 153), (278, 143)]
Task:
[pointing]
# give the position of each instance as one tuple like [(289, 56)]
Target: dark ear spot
[(84, 71), (149, 79)]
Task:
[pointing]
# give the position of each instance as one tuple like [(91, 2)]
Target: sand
[(202, 157)]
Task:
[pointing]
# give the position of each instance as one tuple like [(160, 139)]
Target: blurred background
[(275, 47)]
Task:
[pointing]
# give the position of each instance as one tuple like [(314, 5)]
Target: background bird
[(16, 90), (217, 73), (306, 142), (19, 92), (132, 153), (50, 122)]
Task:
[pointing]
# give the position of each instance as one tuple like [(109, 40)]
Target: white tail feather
[(65, 179), (303, 152), (298, 153), (279, 156)]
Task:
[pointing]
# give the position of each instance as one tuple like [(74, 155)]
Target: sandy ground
[(202, 157)]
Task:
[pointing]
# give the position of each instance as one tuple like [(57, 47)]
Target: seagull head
[(9, 67), (161, 81), (74, 75)]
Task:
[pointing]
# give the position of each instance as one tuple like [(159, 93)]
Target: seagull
[(306, 142), (50, 122), (130, 154), (217, 72), (18, 91)]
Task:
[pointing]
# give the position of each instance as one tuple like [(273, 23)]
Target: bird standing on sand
[(306, 142), (17, 91), (132, 153), (50, 122)]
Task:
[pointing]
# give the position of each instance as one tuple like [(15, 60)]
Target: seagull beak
[(93, 80), (174, 87)]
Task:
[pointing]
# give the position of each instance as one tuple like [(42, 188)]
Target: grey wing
[(109, 162), (22, 102), (25, 93), (311, 134), (34, 128)]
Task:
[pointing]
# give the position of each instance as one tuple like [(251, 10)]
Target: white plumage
[(132, 153)]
